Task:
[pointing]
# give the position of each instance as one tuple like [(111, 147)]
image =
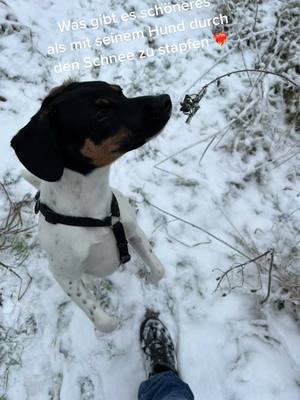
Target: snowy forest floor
[(210, 195)]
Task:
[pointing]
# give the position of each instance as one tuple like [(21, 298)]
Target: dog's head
[(86, 125)]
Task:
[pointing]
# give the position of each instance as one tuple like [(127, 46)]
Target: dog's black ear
[(36, 148)]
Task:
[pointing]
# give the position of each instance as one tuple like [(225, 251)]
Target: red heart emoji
[(221, 38)]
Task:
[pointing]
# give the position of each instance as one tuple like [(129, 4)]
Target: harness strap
[(118, 230)]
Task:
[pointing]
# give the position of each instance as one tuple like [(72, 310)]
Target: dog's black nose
[(159, 106), (166, 103)]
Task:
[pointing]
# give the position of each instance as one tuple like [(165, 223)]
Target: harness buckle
[(124, 259), (37, 206)]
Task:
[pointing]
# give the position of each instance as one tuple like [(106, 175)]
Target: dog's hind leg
[(77, 291), (141, 245)]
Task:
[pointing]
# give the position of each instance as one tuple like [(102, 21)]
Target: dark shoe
[(157, 345)]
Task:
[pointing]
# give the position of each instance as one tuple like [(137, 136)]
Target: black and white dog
[(68, 147)]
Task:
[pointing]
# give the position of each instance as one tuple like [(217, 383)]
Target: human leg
[(164, 386)]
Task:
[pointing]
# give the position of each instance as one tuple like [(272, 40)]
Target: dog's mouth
[(156, 124), (135, 141)]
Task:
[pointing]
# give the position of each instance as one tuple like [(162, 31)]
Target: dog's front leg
[(141, 245), (77, 291)]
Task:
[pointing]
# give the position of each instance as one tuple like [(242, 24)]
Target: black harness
[(118, 230)]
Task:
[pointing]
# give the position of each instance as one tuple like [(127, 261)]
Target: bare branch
[(190, 104), (201, 229), (12, 239), (270, 276), (242, 266)]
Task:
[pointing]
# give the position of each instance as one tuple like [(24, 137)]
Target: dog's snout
[(166, 103), (159, 106)]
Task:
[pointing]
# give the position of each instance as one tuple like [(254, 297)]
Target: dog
[(67, 149)]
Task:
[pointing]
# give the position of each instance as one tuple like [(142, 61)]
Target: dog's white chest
[(75, 250), (103, 258)]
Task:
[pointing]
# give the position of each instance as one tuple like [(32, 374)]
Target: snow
[(230, 346)]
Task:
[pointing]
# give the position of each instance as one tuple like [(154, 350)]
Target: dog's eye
[(102, 114), (104, 106)]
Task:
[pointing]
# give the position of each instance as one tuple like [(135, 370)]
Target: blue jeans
[(165, 386)]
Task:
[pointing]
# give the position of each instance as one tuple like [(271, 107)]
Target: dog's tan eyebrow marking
[(102, 102), (116, 88), (105, 152)]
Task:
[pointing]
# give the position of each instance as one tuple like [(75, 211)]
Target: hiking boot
[(157, 345)]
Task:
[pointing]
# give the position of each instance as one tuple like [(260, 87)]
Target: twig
[(190, 105), (286, 160), (255, 70), (157, 165), (212, 137), (162, 224), (253, 34), (220, 279), (10, 228), (25, 290), (255, 16), (182, 242), (206, 148), (287, 153), (270, 277), (239, 42), (201, 229), (10, 269), (244, 110), (15, 231), (243, 241)]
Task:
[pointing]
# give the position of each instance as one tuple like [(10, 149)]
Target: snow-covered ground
[(230, 346)]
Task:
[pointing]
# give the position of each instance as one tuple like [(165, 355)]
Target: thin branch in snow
[(241, 267), (11, 270), (269, 276), (224, 56), (190, 104), (201, 229), (255, 16), (12, 240)]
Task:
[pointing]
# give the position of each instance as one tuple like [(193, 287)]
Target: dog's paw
[(156, 275)]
